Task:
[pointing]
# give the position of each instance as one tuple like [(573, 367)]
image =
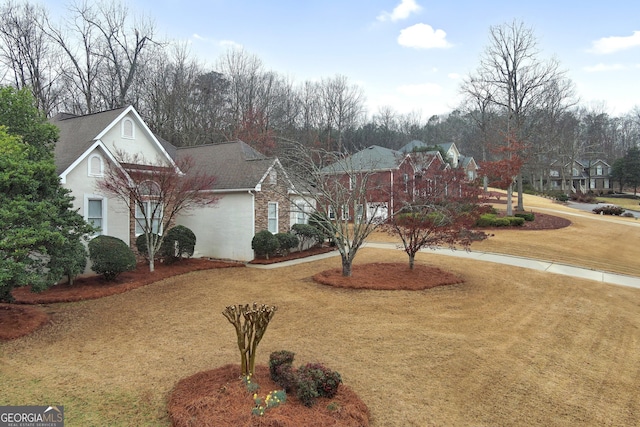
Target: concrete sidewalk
[(534, 264)]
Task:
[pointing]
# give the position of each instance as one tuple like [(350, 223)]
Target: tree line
[(101, 56)]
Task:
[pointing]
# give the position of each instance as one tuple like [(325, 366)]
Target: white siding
[(82, 186), (140, 144), (225, 230)]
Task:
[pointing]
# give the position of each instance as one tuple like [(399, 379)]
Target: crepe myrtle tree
[(342, 191), (155, 193), (437, 213)]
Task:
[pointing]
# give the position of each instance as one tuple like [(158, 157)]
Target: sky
[(411, 55)]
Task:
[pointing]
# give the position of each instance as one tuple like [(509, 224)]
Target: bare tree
[(342, 107), (342, 191), (518, 79), (28, 53), (155, 193)]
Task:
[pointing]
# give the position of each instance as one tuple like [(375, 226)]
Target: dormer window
[(128, 130), (96, 165), (273, 177)]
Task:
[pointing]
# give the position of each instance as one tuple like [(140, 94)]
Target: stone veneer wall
[(273, 193)]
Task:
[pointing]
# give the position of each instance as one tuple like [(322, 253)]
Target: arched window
[(128, 130), (96, 165)]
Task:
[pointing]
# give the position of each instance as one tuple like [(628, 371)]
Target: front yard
[(507, 347)]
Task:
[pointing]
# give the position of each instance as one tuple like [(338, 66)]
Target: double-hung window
[(149, 216), (272, 217)]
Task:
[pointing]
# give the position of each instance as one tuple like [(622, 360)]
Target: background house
[(580, 176), (253, 189)]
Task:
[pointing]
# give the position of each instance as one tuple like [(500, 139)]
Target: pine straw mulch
[(97, 287), (17, 321), (388, 276), (219, 398)]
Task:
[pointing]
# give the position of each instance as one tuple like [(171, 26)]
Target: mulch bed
[(17, 321), (294, 255), (541, 222), (96, 287), (388, 276), (219, 398)]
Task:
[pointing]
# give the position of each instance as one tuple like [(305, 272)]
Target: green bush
[(502, 222), (528, 216), (178, 243), (324, 226), (515, 221), (264, 243), (307, 235), (110, 256), (141, 246), (315, 380), (69, 260), (562, 197), (287, 242), (486, 220)]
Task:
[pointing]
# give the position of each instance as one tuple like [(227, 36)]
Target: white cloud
[(220, 43), (424, 89), (454, 76), (401, 11), (604, 67), (423, 36), (615, 44)]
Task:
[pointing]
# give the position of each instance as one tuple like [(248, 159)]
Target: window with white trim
[(345, 213), (331, 213), (95, 213), (302, 213), (599, 170), (359, 213), (272, 217), (96, 165), (273, 177), (149, 216), (128, 129)]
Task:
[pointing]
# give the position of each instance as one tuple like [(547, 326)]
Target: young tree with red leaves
[(156, 193), (440, 211), (503, 172)]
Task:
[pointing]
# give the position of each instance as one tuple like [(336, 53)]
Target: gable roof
[(78, 134), (81, 134), (235, 164), (373, 158)]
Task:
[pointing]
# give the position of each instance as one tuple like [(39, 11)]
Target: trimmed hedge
[(287, 242), (264, 243), (110, 256), (492, 220), (528, 216)]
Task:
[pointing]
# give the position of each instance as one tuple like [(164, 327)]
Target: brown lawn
[(508, 346)]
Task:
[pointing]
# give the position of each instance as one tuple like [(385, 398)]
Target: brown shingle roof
[(235, 164), (78, 133)]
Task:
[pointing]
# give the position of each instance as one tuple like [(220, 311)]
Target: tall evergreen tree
[(36, 217)]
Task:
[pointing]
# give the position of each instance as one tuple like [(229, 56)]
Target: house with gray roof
[(252, 189)]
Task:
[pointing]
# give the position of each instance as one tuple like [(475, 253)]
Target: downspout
[(391, 209)]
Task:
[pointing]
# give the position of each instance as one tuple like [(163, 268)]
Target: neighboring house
[(451, 154), (580, 176), (253, 189), (388, 173)]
